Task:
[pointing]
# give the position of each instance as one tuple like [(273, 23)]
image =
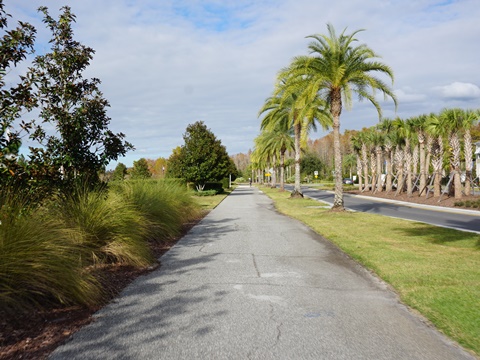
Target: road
[(250, 283), (438, 216)]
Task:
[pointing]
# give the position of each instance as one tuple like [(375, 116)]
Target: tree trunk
[(336, 109), (282, 171), (274, 172), (365, 166), (467, 141), (408, 165), (297, 130), (388, 169), (359, 173), (423, 175), (378, 150)]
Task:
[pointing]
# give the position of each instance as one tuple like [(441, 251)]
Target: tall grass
[(47, 250), (113, 230), (39, 259), (165, 205)]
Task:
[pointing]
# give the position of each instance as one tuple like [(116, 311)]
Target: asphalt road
[(466, 220), (249, 283)]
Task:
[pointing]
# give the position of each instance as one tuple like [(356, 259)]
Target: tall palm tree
[(470, 118), (336, 69), (435, 129), (292, 111), (387, 128), (452, 121), (279, 140)]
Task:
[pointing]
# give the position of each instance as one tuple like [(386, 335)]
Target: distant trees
[(418, 153), (120, 172), (202, 158), (140, 170)]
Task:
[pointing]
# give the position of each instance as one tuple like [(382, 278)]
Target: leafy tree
[(335, 71), (140, 170), (82, 143), (175, 164), (202, 158), (119, 172), (15, 44), (311, 163)]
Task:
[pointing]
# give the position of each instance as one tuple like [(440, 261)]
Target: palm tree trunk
[(408, 165), (423, 174), (455, 144), (365, 165), (282, 170), (388, 169), (336, 109), (378, 150), (373, 166), (274, 172), (359, 172), (297, 132), (467, 141)]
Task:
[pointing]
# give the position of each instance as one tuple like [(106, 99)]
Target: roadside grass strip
[(434, 270)]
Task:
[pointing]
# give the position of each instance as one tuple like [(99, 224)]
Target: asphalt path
[(250, 283), (465, 220)]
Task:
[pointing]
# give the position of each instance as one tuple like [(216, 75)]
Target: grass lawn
[(210, 202), (434, 270)]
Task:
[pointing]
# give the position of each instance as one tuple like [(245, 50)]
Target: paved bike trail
[(249, 283)]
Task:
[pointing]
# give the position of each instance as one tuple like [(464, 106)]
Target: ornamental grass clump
[(166, 205), (40, 260), (112, 229)]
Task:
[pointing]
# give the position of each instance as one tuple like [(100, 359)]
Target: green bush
[(217, 186), (40, 260), (114, 231), (165, 205), (206, 193)]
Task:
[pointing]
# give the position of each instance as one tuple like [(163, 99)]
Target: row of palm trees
[(418, 153), (313, 90)]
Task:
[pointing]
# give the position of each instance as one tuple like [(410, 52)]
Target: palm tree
[(357, 148), (279, 140), (387, 128), (285, 107), (452, 121), (335, 70), (436, 131), (470, 118)]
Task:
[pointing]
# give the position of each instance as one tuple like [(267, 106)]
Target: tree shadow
[(440, 235)]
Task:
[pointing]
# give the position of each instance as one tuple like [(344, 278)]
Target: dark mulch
[(37, 334)]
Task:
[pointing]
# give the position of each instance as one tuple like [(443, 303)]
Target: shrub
[(114, 231), (40, 260), (166, 206), (206, 193)]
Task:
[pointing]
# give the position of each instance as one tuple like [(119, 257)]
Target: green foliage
[(40, 259), (113, 230), (202, 158), (310, 163), (47, 252), (120, 172), (140, 170), (165, 205), (206, 193), (15, 44), (80, 144)]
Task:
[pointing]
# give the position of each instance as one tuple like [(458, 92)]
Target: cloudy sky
[(165, 64)]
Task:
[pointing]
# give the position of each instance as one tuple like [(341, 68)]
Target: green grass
[(210, 202), (434, 270)]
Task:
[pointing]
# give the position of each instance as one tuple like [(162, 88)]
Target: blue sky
[(165, 64)]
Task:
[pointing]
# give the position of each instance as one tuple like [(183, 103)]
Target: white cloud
[(460, 91)]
